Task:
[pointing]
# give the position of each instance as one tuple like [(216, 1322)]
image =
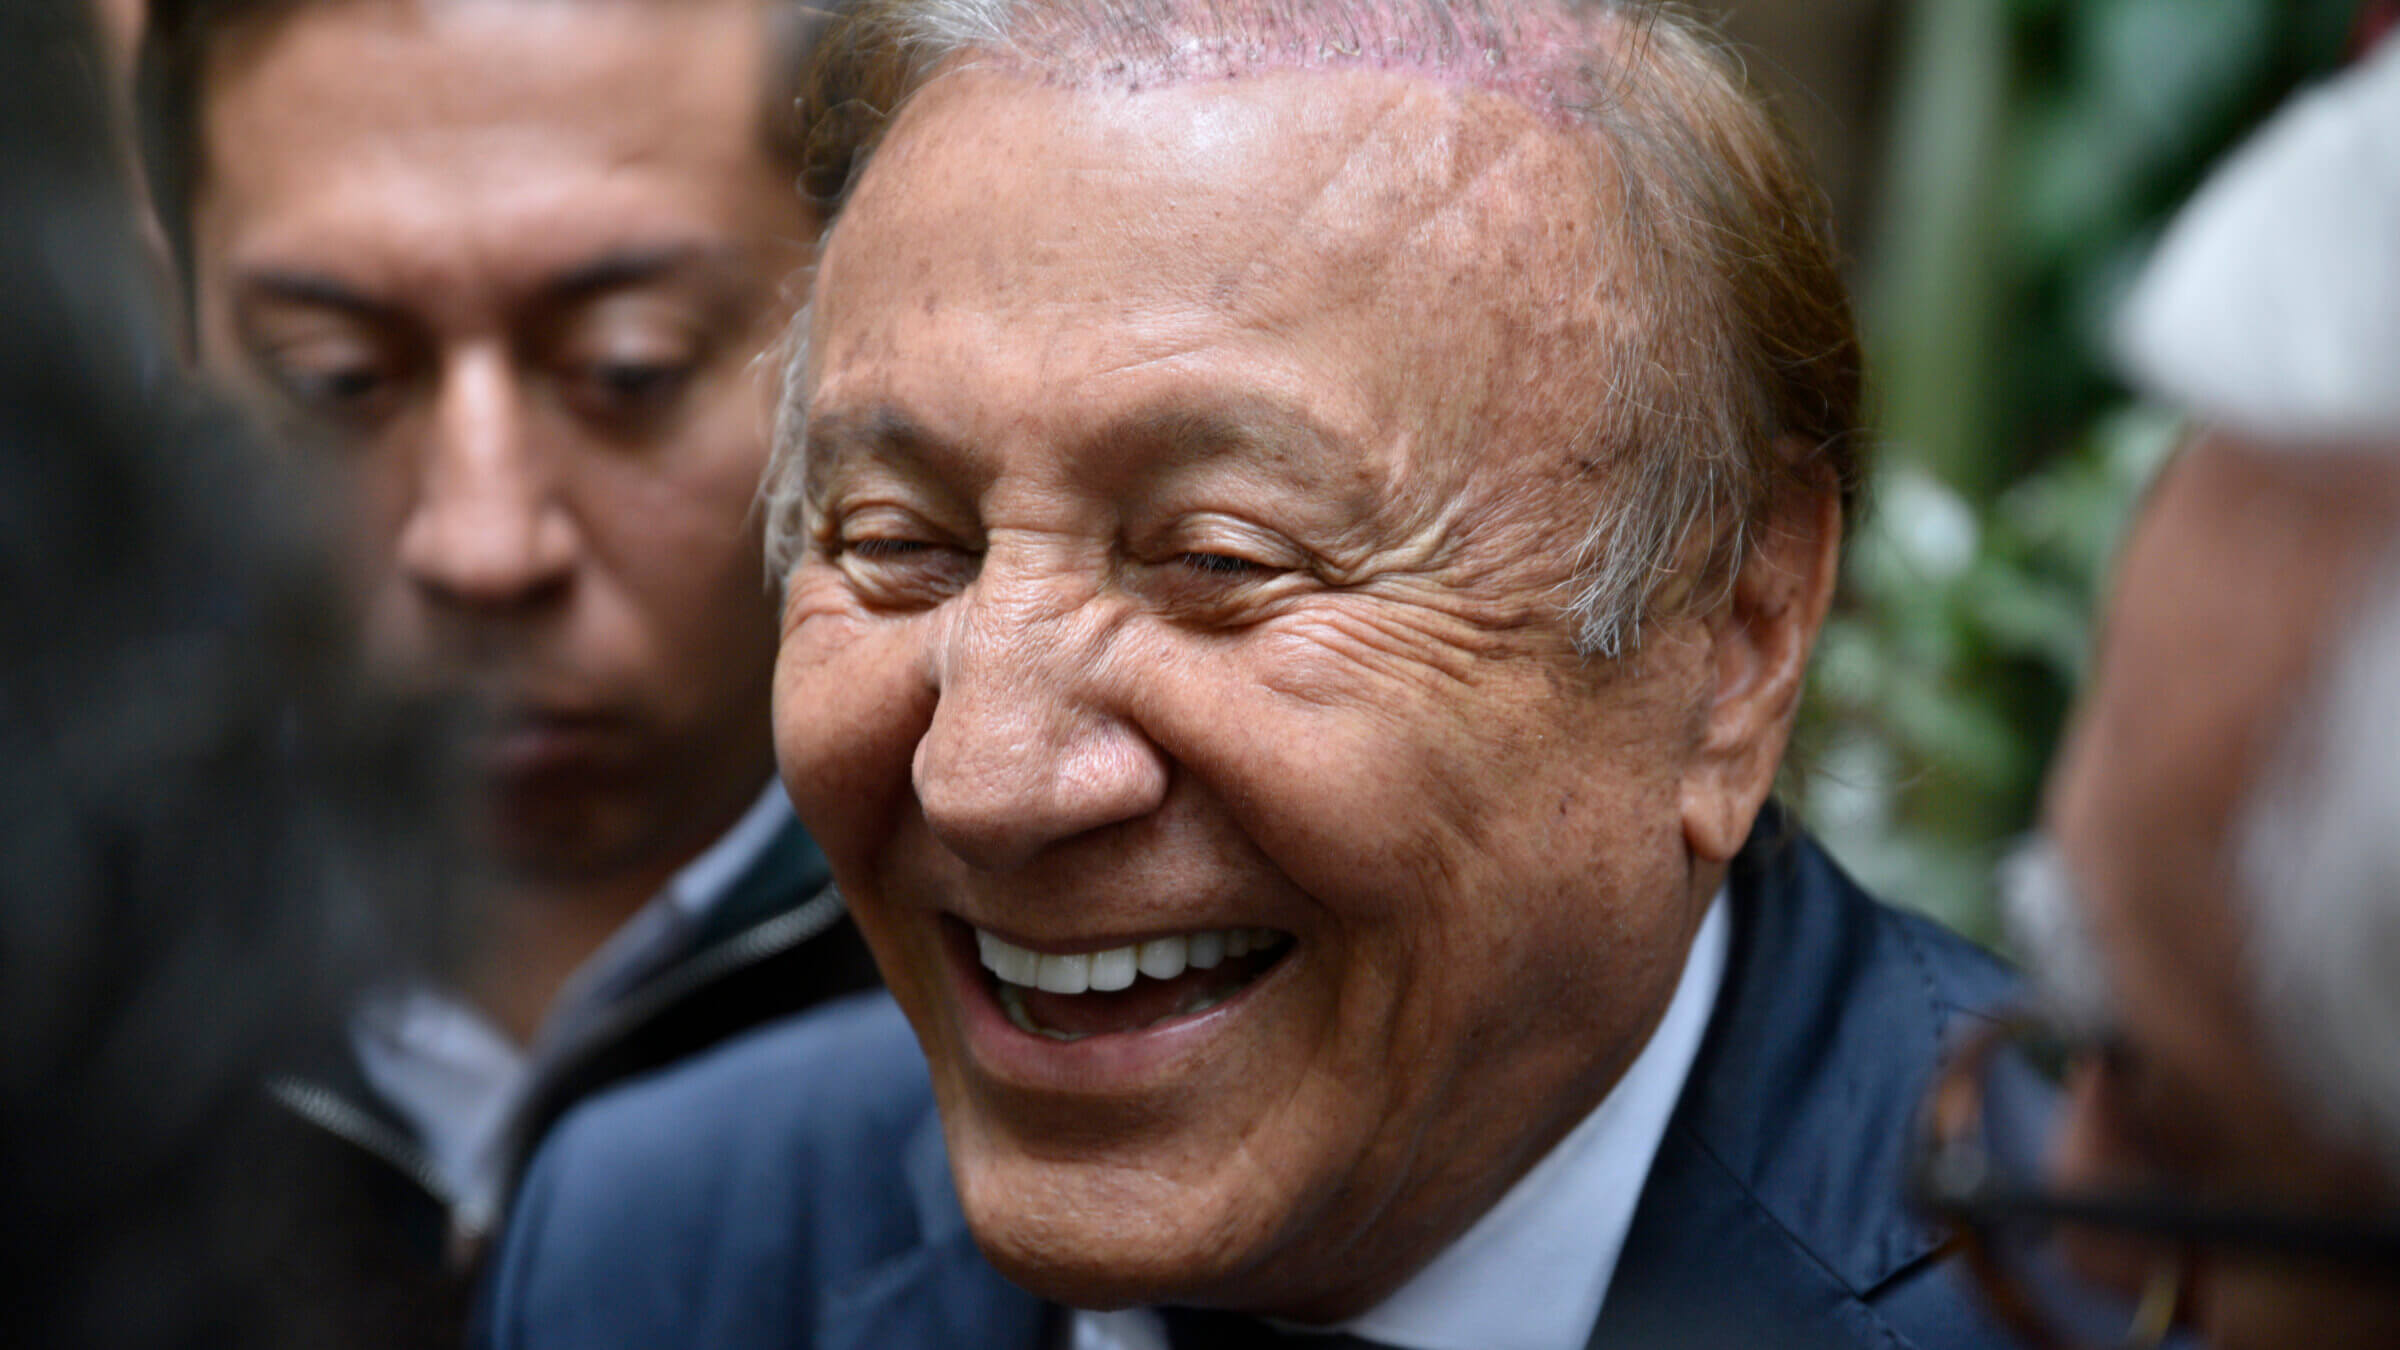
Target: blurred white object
[(2273, 303)]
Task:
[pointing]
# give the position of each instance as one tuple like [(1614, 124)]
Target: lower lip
[(536, 746), (1113, 1063)]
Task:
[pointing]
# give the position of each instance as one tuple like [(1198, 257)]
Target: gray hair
[(2318, 853), (1738, 384)]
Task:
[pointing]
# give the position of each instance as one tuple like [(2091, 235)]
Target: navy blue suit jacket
[(791, 1189)]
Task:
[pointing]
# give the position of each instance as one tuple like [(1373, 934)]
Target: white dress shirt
[(1532, 1272), (456, 1078)]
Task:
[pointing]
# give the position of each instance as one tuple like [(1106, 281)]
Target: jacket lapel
[(1775, 1209)]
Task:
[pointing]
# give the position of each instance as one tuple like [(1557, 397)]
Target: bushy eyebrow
[(1184, 434), (1189, 435), (882, 431)]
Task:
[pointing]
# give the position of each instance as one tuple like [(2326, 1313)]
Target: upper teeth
[(1113, 969)]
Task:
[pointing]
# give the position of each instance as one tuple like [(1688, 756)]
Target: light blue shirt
[(1532, 1272)]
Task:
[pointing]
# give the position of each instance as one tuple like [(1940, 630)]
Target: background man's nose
[(1026, 748), (485, 528)]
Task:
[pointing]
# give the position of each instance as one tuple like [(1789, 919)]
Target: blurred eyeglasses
[(1987, 1133)]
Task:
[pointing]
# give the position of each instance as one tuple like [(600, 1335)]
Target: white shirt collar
[(1532, 1272), (450, 1074)]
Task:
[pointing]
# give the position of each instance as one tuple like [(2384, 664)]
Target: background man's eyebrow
[(640, 267), (314, 289)]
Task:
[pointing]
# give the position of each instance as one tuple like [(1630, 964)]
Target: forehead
[(503, 126), (1384, 253)]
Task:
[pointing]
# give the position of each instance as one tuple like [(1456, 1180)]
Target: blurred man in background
[(211, 835), (511, 264), (2216, 914)]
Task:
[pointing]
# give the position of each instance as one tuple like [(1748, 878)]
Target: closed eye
[(1220, 564), (627, 394), (902, 564), (889, 548)]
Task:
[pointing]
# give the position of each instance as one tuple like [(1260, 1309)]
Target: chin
[(1098, 1236)]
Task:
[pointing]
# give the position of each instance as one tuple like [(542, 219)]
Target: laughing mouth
[(1129, 988)]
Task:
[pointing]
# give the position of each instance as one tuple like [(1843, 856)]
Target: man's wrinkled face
[(2233, 587), (1176, 670), (514, 263)]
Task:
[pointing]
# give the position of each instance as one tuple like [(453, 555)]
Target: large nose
[(1031, 743), (2089, 1153), (486, 529)]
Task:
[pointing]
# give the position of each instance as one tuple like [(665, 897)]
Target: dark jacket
[(791, 1189), (776, 943)]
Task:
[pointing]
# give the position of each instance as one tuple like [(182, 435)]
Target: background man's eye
[(628, 390), (337, 386), (347, 394)]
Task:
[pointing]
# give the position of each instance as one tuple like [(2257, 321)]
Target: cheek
[(672, 519), (1503, 797), (377, 488), (1461, 842), (377, 482), (850, 705), (670, 528)]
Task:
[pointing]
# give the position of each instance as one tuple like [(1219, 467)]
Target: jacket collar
[(1786, 1154), (791, 865)]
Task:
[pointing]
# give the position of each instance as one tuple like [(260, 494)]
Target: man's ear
[(1759, 640)]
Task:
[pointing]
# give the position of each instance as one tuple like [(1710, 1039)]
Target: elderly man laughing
[(1302, 529)]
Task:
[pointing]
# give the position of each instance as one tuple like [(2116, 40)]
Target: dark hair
[(210, 835), (180, 36)]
